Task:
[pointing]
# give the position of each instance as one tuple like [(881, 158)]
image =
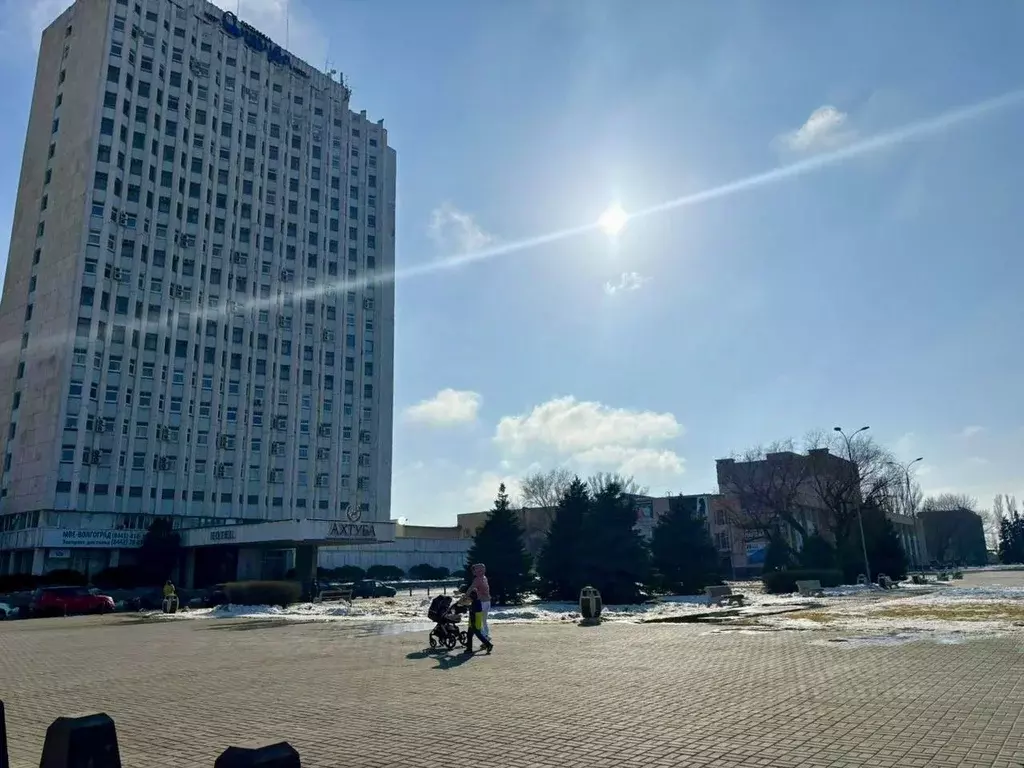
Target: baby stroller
[(446, 633)]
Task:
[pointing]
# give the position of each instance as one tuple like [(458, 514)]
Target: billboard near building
[(644, 509), (756, 551)]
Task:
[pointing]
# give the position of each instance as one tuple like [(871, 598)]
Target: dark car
[(68, 601), (371, 588)]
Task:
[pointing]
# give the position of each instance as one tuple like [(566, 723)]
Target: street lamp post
[(860, 518), (910, 512)]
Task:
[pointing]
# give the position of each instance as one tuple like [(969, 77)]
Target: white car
[(7, 611)]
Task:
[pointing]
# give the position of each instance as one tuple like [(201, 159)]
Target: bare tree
[(860, 474), (598, 481), (990, 520), (1002, 506), (950, 502), (997, 507), (908, 498), (545, 489), (767, 482), (780, 490)]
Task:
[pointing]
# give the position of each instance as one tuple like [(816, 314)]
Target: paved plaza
[(181, 691)]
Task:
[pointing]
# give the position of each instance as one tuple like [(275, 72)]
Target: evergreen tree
[(683, 557), (779, 555), (560, 565), (817, 554), (159, 552), (885, 553), (1011, 539), (499, 545), (616, 557)]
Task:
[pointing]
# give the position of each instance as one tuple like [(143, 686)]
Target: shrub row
[(282, 593), (132, 577), (784, 582), (422, 572)]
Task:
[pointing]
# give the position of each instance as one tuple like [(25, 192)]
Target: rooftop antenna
[(287, 23)]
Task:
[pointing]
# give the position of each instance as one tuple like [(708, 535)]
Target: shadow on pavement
[(445, 659), (450, 662), (426, 653), (250, 624)]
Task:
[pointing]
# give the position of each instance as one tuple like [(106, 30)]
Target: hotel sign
[(254, 39), (352, 531)]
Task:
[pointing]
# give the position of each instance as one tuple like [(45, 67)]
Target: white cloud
[(593, 436), (455, 230), (571, 426), (483, 489), (904, 446), (826, 128), (971, 431), (628, 281), (447, 407), (631, 460), (977, 461)]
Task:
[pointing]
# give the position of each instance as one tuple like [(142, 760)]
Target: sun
[(613, 220)]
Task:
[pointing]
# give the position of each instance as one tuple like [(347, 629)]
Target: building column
[(38, 558), (188, 571), (306, 558)]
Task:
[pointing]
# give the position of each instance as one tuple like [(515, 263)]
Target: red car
[(67, 601)]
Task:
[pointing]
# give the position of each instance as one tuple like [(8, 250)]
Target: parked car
[(68, 601), (7, 611), (372, 588)]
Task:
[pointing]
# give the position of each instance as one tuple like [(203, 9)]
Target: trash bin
[(590, 604), (170, 604)]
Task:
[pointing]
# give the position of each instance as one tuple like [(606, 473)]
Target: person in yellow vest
[(170, 598)]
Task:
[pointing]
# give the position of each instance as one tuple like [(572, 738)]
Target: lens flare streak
[(615, 218)]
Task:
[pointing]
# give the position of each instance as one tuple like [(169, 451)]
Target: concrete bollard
[(88, 740), (282, 755), (5, 761)]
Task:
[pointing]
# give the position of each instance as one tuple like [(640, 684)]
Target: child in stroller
[(446, 612)]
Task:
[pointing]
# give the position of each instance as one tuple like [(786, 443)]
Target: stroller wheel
[(450, 641), (463, 638), (433, 640)]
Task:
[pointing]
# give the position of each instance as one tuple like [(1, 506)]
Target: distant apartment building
[(191, 324), (796, 476)]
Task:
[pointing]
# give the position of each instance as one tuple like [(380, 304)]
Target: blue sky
[(883, 289)]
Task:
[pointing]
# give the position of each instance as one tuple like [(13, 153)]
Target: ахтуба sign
[(352, 531)]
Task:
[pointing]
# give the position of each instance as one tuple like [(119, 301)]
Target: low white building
[(412, 545)]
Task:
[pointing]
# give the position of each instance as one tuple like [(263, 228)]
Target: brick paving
[(551, 695)]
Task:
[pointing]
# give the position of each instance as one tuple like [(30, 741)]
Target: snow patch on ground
[(850, 610), (900, 638)]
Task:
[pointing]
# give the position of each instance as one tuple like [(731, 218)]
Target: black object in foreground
[(282, 755), (89, 741), (4, 760)]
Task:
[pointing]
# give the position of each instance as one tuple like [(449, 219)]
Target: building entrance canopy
[(286, 534)]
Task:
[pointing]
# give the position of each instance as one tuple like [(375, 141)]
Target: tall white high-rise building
[(191, 325)]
